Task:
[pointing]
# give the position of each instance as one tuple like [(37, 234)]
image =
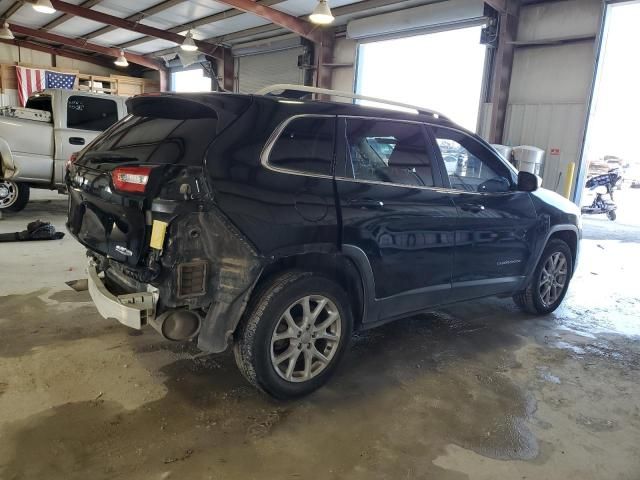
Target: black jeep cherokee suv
[(281, 225)]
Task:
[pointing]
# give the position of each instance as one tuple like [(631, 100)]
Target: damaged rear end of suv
[(280, 225), (160, 251)]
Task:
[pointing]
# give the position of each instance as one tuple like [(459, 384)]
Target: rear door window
[(306, 146), (387, 151), (91, 113), (39, 102)]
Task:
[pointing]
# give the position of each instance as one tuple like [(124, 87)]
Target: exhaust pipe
[(177, 325)]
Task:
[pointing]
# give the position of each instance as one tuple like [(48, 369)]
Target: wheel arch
[(336, 266), (7, 165), (565, 232), (570, 237)]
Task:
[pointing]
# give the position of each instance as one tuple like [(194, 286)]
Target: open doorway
[(191, 80), (611, 144), (443, 71)]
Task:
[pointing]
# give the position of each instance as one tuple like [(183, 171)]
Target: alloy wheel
[(305, 338), (8, 193), (553, 278)]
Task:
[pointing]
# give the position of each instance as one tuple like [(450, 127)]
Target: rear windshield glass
[(39, 102), (154, 139)]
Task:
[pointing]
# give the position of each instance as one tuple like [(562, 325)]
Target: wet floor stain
[(481, 378), (41, 318), (597, 424), (404, 392)]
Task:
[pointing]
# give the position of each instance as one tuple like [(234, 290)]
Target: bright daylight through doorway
[(611, 140), (441, 71), (190, 81)]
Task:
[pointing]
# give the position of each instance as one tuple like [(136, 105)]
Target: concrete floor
[(476, 391)]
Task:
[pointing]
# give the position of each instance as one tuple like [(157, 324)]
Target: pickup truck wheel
[(550, 281), (13, 196), (294, 333)]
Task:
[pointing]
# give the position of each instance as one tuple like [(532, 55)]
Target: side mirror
[(528, 182), (495, 185)]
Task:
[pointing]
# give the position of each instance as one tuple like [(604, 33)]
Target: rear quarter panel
[(282, 214), (31, 149)]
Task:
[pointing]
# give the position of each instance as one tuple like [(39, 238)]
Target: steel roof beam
[(63, 18), (160, 7), (8, 13), (208, 20), (350, 9), (63, 52), (294, 24), (76, 10), (84, 45)]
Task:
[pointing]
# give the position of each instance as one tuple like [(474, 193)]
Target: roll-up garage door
[(254, 72)]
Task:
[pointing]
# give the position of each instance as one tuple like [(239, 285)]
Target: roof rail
[(337, 93)]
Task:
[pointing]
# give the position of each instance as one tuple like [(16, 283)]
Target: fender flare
[(555, 229), (7, 165), (354, 264), (370, 309)]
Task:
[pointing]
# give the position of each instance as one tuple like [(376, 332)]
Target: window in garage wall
[(443, 71), (192, 80)]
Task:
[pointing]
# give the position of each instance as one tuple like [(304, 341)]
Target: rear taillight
[(131, 179), (72, 159)]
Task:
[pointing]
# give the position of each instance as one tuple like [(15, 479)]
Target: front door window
[(470, 166)]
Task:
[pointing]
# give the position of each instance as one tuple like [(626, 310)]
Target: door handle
[(76, 140), (472, 207), (365, 203)]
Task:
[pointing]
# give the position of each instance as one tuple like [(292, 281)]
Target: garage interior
[(476, 390)]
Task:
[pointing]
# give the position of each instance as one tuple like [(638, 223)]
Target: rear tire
[(550, 280), (14, 196), (293, 334)]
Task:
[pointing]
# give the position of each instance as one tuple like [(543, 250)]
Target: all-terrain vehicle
[(279, 225), (603, 186)]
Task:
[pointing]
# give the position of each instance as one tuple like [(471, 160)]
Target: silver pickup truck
[(36, 141)]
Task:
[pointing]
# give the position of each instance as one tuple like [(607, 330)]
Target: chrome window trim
[(273, 138), (266, 151)]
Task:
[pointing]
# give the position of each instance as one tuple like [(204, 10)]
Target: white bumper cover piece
[(133, 309)]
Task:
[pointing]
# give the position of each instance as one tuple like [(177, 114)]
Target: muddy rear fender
[(233, 268)]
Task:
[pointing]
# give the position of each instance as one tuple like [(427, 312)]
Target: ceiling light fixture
[(6, 33), (43, 6), (121, 61), (322, 14), (189, 45)]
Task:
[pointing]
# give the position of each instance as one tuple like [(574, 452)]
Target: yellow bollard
[(569, 179)]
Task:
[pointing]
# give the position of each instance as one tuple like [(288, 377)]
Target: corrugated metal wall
[(550, 84)]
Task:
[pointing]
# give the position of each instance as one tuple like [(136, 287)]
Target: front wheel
[(293, 334), (550, 281), (611, 215), (13, 196)]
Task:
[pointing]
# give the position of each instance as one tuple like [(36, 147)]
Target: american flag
[(33, 79)]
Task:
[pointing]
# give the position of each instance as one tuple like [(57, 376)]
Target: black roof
[(235, 103)]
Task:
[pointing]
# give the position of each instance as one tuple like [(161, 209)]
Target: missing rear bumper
[(132, 309)]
